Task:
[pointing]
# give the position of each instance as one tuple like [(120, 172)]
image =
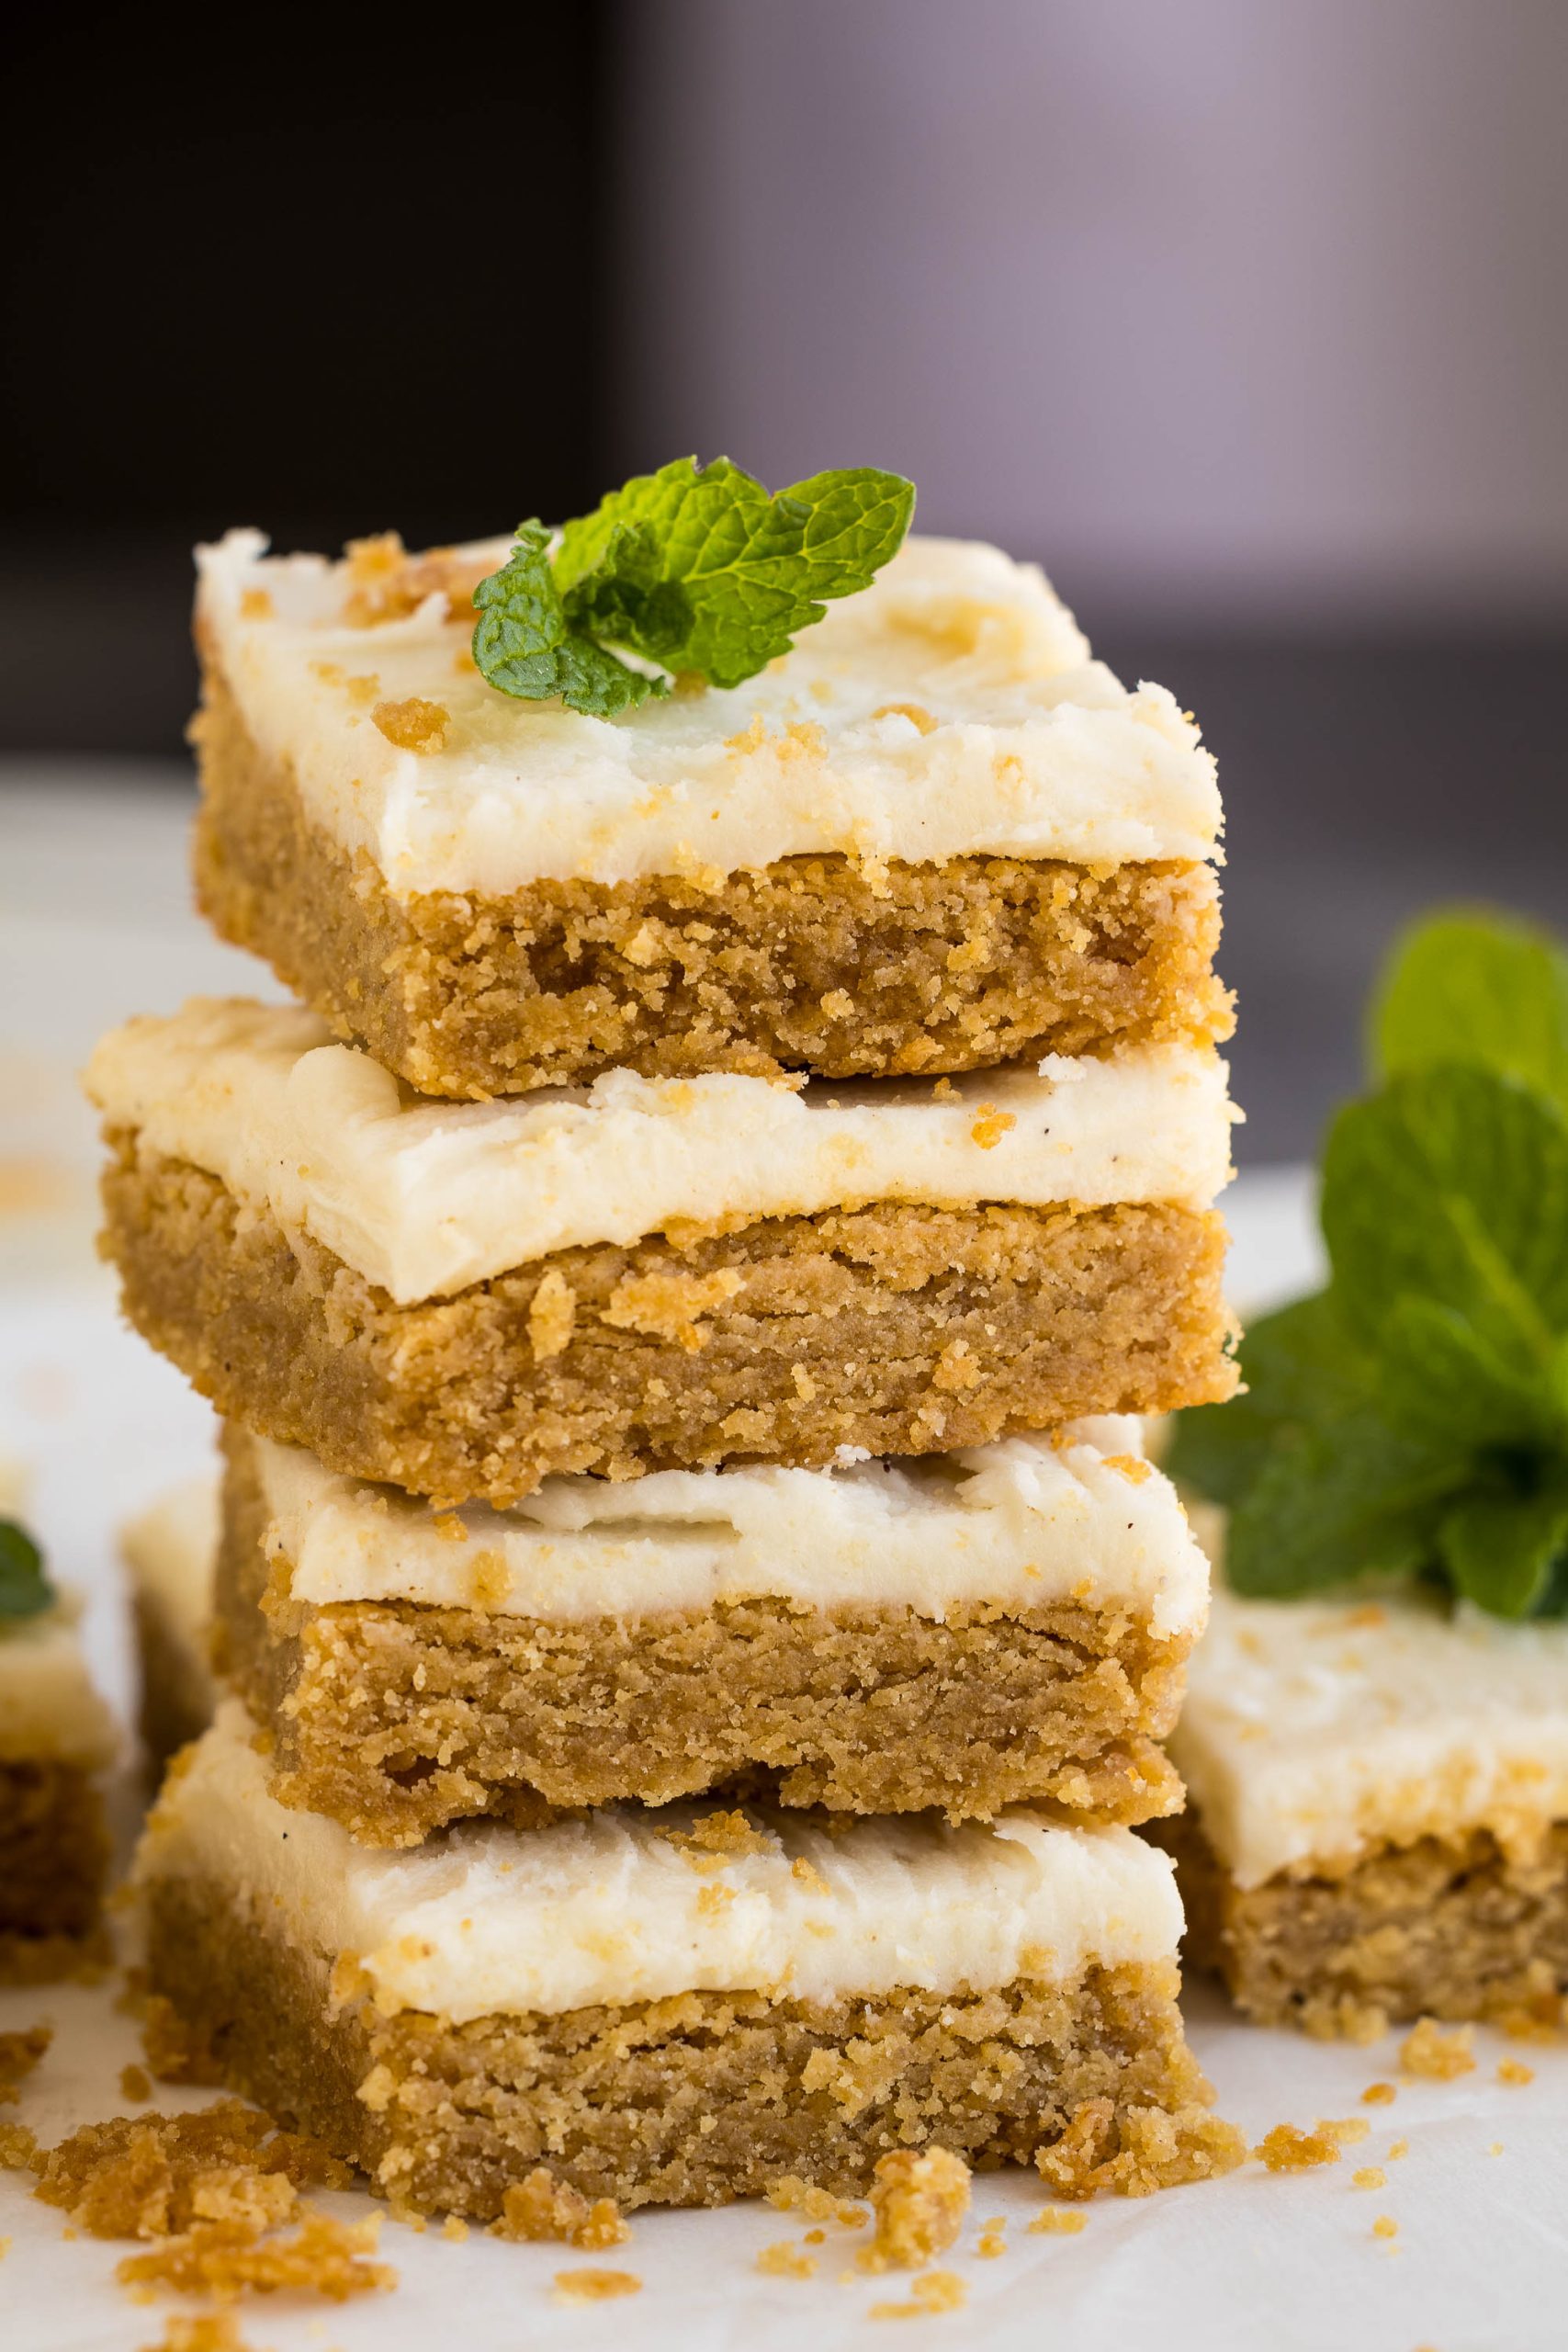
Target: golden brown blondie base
[(1447, 1928), (899, 1327), (176, 1701), (395, 1718), (53, 1855), (814, 962), (691, 2100)]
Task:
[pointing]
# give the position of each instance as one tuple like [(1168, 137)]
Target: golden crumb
[(838, 1004), (809, 1875), (935, 2290), (131, 1999), (1496, 2149), (1436, 2056), (815, 2237), (1131, 1466), (596, 2286), (990, 1126), (717, 1837), (544, 2208), (135, 2083), (1288, 2149), (1369, 2177), (255, 605), (783, 2260), (413, 725), (1058, 2222), (944, 1090), (1136, 2150), (225, 2258), (387, 583), (790, 2194), (551, 1315), (173, 2052), (19, 2053), (1397, 2148), (1344, 2130), (919, 2197), (17, 2148), (1509, 2070), (915, 712), (992, 2239), (209, 2331), (455, 2230), (669, 1306), (1385, 2226), (1379, 2094), (156, 2175), (713, 1901)]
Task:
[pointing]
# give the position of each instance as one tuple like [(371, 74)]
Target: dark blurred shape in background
[(1251, 322)]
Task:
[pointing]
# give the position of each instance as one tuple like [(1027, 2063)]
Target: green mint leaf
[(1438, 1377), (1300, 1365), (1337, 1505), (1504, 1551), (525, 645), (1468, 986), (700, 570), (25, 1590), (1452, 1184)]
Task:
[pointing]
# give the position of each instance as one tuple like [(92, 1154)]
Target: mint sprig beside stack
[(1412, 1418), (25, 1590), (692, 570)]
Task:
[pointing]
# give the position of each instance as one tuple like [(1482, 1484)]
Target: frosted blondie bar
[(1378, 1810), (674, 2008), (935, 836), (170, 1551), (960, 1631), (464, 1298)]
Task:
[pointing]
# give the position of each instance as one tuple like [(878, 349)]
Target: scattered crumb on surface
[(1435, 2056), (19, 2053), (1345, 2131), (784, 2259), (992, 2240), (1496, 2149), (453, 2228), (207, 2332), (130, 2001), (1385, 2226), (1379, 2094), (135, 2083), (1057, 2220), (323, 2257), (933, 2291), (790, 2194), (919, 2197), (596, 2286), (544, 2208), (1134, 2150), (1397, 2148), (158, 2176), (1369, 2176), (1288, 2149), (18, 2147), (1509, 2070)]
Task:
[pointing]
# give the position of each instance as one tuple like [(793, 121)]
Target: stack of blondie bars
[(698, 1620)]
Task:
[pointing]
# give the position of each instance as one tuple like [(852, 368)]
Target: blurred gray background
[(1248, 318)]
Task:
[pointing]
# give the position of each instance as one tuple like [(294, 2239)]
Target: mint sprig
[(694, 570), (25, 1590), (1412, 1418)]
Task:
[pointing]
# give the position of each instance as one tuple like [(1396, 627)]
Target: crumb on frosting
[(412, 725)]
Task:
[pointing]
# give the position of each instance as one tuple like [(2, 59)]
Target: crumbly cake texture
[(691, 2100), (170, 1550), (53, 1857), (396, 1718), (897, 1328), (931, 837), (822, 962), (1448, 1927)]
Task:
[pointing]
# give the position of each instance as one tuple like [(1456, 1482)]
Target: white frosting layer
[(486, 1920), (1317, 1730), (1018, 1524), (426, 1197), (951, 707), (49, 1709), (170, 1549)]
